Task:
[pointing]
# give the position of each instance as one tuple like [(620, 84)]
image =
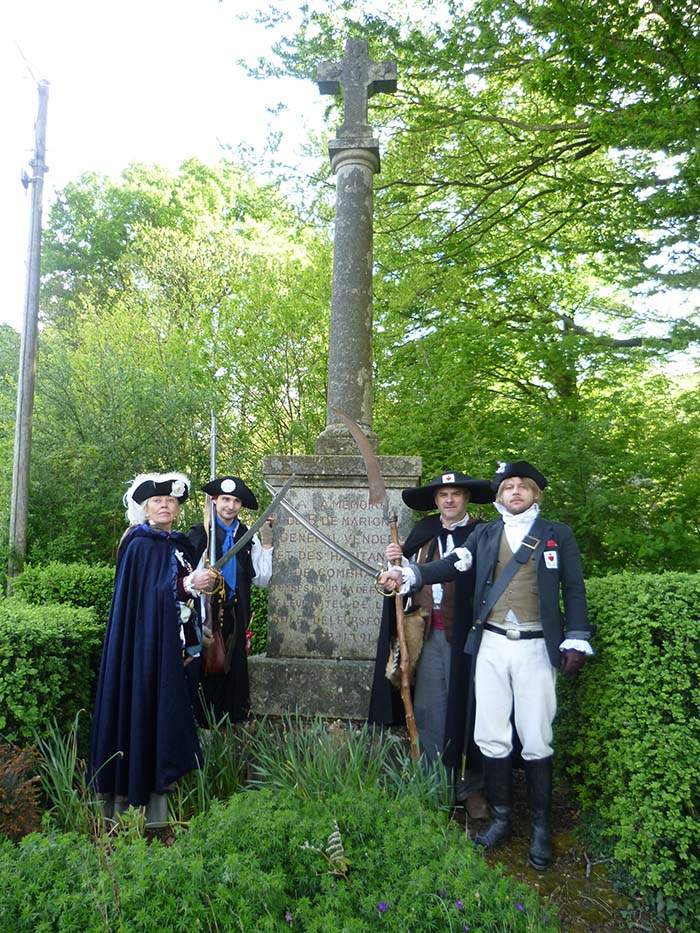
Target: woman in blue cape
[(144, 734)]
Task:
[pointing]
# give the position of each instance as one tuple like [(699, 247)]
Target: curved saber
[(329, 542), (225, 558)]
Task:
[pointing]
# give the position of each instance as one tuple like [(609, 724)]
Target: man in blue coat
[(523, 565)]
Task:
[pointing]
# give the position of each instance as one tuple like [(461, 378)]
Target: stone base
[(334, 689)]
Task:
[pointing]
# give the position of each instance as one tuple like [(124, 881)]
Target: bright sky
[(151, 81)]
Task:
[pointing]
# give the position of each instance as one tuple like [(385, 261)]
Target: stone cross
[(358, 78), (354, 157)]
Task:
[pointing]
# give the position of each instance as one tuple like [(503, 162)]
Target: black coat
[(386, 707), (562, 578), (229, 693)]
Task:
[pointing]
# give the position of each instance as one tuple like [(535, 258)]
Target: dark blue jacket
[(556, 584)]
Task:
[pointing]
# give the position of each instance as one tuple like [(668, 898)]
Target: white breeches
[(514, 676)]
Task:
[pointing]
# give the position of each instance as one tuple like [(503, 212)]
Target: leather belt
[(513, 634)]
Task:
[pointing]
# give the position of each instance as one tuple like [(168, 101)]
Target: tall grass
[(313, 758), (225, 765), (73, 806)]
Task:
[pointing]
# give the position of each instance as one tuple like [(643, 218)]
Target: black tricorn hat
[(175, 485), (517, 468), (231, 486), (422, 498)]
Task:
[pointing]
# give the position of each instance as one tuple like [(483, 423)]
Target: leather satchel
[(214, 655)]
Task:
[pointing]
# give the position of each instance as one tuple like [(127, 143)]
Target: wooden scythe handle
[(403, 649)]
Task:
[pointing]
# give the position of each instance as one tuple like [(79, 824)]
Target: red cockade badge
[(551, 543)]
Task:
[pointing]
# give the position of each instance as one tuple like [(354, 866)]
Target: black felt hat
[(517, 468), (231, 486), (162, 484), (422, 498)]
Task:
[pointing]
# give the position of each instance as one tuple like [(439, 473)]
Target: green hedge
[(629, 734), (264, 862), (77, 584), (49, 658), (92, 585)]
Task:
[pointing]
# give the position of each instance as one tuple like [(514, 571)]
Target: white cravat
[(517, 526)]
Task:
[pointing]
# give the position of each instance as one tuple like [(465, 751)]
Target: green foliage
[(76, 584), (49, 657), (629, 734), (72, 806), (525, 211), (19, 794), (267, 863), (312, 758), (258, 620), (223, 772), (9, 366), (200, 293)]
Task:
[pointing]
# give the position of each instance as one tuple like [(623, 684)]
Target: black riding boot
[(538, 774), (498, 777)]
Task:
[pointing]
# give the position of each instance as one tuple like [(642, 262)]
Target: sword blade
[(225, 558), (338, 549)]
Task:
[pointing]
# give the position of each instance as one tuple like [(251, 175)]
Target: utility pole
[(27, 356)]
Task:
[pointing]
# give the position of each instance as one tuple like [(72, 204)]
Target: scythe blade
[(377, 489)]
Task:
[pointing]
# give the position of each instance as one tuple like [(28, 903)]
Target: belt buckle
[(513, 634), (526, 543)]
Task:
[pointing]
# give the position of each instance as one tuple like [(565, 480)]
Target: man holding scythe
[(443, 670)]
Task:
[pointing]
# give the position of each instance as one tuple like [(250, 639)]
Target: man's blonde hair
[(530, 483)]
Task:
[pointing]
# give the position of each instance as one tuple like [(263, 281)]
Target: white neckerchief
[(517, 526), (448, 549)]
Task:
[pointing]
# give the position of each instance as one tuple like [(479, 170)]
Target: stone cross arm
[(358, 78)]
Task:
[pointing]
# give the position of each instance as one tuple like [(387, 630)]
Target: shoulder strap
[(522, 555)]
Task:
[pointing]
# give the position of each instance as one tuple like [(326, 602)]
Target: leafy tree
[(531, 195), (213, 304)]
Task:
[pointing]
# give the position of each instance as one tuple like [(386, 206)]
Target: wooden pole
[(25, 380), (403, 651)]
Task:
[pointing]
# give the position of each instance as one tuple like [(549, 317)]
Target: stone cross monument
[(324, 615), (354, 157)]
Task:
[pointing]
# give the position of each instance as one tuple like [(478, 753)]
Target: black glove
[(571, 660)]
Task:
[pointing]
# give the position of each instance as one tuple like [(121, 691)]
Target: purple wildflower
[(288, 917), (382, 906), (458, 904), (519, 906), (465, 926)]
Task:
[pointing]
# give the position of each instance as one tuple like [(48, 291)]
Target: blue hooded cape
[(143, 706)]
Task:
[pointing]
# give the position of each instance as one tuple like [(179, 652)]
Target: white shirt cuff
[(577, 644)]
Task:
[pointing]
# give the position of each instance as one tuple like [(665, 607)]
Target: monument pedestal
[(323, 617)]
